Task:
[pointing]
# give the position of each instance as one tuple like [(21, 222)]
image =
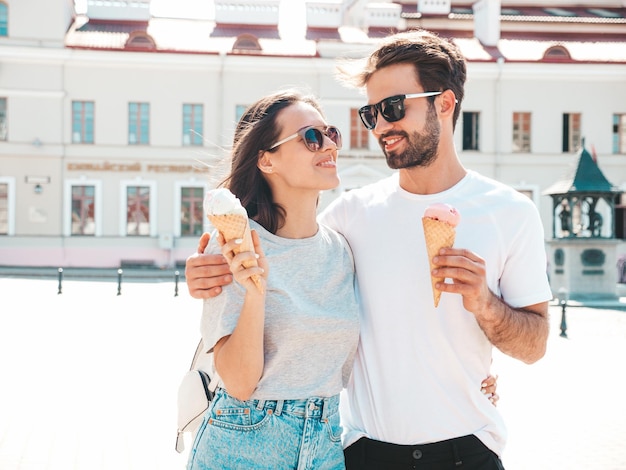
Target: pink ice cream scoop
[(443, 212)]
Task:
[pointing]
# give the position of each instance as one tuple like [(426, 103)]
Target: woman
[(283, 355)]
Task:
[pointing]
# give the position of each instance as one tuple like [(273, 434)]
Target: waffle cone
[(438, 235), (233, 226)]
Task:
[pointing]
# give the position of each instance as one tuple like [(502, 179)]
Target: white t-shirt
[(311, 315), (418, 369)]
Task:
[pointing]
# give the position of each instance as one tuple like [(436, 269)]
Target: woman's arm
[(239, 357)]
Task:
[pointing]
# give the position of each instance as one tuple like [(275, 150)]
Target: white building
[(116, 119)]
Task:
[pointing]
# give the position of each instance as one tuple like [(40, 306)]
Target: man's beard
[(422, 147)]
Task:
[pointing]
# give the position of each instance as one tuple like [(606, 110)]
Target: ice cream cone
[(438, 234), (233, 226)]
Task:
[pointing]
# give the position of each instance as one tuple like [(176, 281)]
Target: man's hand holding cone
[(439, 223)]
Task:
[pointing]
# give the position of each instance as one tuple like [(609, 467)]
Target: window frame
[(152, 211), (359, 134), (475, 131), (194, 131), (240, 109), (618, 145), (84, 197), (86, 121), (571, 136), (521, 132), (178, 188), (4, 122), (137, 122), (4, 19), (67, 206), (10, 182)]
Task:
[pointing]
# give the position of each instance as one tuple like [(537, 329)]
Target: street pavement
[(88, 380)]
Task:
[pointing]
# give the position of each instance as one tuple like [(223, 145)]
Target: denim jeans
[(269, 434)]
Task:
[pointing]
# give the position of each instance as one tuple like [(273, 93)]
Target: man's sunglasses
[(313, 137), (392, 108)]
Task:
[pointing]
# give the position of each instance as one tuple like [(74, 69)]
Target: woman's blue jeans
[(269, 434)]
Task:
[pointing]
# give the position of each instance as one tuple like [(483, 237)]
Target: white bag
[(195, 393)]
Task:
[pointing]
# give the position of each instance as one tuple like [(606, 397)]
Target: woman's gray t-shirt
[(311, 315)]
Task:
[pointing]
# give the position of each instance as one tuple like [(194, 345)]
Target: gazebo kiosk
[(582, 254)]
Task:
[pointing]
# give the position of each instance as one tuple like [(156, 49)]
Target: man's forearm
[(521, 333)]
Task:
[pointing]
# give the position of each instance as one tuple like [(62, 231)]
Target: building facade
[(116, 118)]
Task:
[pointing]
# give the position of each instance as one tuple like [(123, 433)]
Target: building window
[(138, 210), (4, 19), (3, 119), (619, 133), (557, 53), (4, 208), (246, 42), (140, 40), (521, 132), (192, 124), (470, 131), (191, 211), (239, 110), (83, 210), (571, 132), (359, 135), (138, 123), (82, 122)]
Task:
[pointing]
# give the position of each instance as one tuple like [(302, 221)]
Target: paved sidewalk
[(568, 411), (89, 378), (89, 381)]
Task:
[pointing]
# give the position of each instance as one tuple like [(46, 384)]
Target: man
[(411, 402)]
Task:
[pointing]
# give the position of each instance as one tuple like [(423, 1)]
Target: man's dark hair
[(439, 64)]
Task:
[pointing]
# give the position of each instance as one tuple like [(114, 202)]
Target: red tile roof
[(588, 36)]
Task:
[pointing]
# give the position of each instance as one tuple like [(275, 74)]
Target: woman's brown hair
[(256, 131)]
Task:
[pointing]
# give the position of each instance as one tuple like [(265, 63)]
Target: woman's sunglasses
[(392, 108), (313, 137)]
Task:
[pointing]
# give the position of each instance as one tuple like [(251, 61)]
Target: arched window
[(246, 42), (4, 19), (556, 53), (140, 40)]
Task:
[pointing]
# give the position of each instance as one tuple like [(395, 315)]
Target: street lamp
[(563, 296)]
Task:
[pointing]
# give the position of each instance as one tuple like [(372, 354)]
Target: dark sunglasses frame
[(393, 104), (319, 132)]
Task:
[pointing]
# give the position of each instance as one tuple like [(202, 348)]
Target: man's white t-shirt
[(418, 369)]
